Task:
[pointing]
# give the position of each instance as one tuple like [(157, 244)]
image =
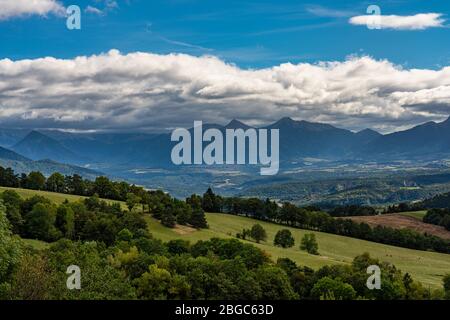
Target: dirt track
[(398, 221)]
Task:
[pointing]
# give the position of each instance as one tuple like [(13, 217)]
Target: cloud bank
[(19, 8), (143, 90), (416, 22)]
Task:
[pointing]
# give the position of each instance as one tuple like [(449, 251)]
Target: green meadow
[(427, 267), (415, 214)]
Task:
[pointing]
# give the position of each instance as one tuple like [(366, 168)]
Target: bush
[(333, 289), (124, 235), (309, 244), (168, 220), (446, 282), (258, 233), (284, 239)]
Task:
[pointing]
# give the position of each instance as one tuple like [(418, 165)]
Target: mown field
[(427, 267), (415, 214), (410, 221)]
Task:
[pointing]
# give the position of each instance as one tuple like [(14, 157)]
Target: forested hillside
[(120, 259)]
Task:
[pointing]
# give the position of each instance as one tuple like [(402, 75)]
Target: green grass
[(426, 267), (36, 244), (53, 196), (415, 214)]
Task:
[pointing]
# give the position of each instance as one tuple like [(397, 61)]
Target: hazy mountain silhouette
[(11, 155), (429, 140), (38, 146), (298, 139)]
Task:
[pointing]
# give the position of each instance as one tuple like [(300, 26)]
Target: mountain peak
[(286, 120), (35, 134), (37, 146), (447, 121), (367, 132), (236, 124)]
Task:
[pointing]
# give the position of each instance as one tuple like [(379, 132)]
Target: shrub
[(309, 243)]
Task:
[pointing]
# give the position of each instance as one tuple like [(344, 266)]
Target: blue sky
[(249, 33), (154, 65)]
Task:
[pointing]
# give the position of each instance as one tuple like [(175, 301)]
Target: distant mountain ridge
[(298, 140), (22, 164), (430, 139), (11, 155), (38, 146)]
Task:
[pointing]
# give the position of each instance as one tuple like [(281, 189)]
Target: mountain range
[(298, 140)]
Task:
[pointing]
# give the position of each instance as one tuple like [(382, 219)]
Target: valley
[(319, 163)]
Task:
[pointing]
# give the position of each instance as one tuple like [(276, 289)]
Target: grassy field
[(414, 214), (427, 267), (53, 196)]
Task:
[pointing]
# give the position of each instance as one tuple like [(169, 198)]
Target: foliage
[(352, 210), (446, 282), (284, 239), (309, 244), (10, 253), (333, 289), (258, 233), (440, 217)]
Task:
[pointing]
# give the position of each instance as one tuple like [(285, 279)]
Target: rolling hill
[(57, 198), (438, 201), (426, 267), (403, 221)]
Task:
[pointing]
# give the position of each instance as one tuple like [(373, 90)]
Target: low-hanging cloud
[(19, 8), (143, 90), (419, 21)]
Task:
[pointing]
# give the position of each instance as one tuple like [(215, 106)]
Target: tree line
[(162, 206), (90, 219), (191, 211), (439, 217), (312, 218)]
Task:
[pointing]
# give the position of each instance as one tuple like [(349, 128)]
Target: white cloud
[(18, 8), (94, 10), (419, 21), (143, 90), (327, 12)]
